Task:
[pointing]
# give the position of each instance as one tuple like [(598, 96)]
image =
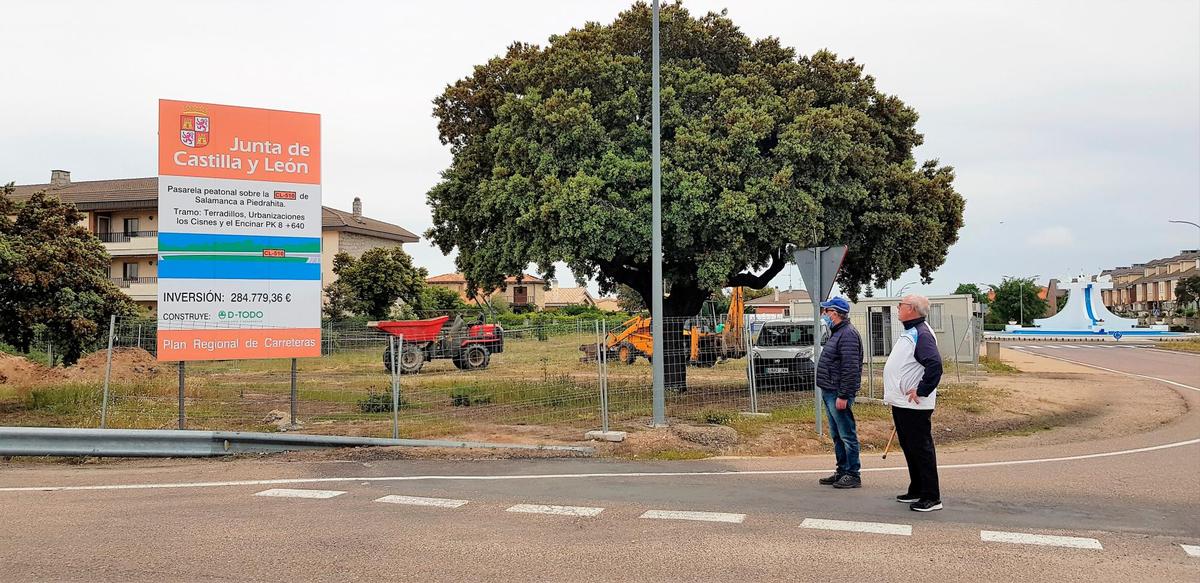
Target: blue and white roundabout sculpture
[(1086, 315)]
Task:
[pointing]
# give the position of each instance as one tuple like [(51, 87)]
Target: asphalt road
[(1129, 508)]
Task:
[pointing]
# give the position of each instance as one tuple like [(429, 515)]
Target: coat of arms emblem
[(194, 128)]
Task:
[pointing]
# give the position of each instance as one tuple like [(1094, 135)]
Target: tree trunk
[(683, 303)]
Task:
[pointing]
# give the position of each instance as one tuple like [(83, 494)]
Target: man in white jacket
[(910, 380)]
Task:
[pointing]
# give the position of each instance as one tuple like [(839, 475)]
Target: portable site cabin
[(952, 318)]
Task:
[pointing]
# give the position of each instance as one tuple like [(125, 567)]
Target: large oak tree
[(762, 151)]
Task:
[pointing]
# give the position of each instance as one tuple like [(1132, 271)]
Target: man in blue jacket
[(839, 376)]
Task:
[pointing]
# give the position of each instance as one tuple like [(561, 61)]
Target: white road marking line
[(585, 511), (420, 501), (690, 515), (856, 526), (290, 493), (1121, 372), (1191, 550), (489, 478), (1021, 538)]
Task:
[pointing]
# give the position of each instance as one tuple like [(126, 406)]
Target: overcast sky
[(1074, 127)]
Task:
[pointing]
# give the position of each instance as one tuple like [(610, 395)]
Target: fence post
[(396, 385), (750, 368), (50, 354), (954, 335), (182, 413), (294, 396), (112, 323), (604, 381), (870, 356)]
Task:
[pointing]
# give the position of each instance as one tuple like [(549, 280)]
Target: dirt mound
[(127, 364), (20, 371)]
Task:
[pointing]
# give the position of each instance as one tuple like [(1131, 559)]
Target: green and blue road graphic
[(207, 256)]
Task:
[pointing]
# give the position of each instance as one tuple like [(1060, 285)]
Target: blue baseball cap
[(837, 303)]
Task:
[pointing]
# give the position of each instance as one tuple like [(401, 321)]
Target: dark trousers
[(915, 434)]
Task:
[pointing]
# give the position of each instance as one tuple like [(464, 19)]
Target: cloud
[(1056, 236)]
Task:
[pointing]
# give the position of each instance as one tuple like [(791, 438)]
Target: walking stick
[(889, 443)]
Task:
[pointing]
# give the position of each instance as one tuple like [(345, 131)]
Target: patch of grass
[(966, 397), (68, 400), (997, 367), (1189, 345), (674, 454)]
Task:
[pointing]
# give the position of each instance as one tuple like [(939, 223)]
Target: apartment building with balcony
[(1146, 288), (123, 214)]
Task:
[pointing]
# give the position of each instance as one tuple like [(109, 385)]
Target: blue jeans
[(843, 433)]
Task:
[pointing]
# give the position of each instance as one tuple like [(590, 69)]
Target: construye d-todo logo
[(194, 126)]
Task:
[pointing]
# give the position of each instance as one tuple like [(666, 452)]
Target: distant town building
[(123, 214), (527, 294), (1145, 288), (779, 302), (561, 297)]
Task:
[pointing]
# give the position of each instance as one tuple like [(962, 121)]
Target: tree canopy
[(1187, 291), (763, 150), (981, 297), (54, 273), (1015, 296), (372, 284)]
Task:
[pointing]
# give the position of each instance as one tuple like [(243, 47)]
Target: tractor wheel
[(475, 356), (412, 358), (626, 353)]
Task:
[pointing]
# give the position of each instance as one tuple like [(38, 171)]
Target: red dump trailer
[(469, 346)]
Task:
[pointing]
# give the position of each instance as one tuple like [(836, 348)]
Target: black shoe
[(907, 498), (830, 480), (847, 481), (925, 505)]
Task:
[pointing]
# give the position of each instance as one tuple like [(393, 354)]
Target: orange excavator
[(709, 339)]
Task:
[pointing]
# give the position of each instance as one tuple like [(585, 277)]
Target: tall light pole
[(1021, 294), (904, 287), (1186, 223), (656, 301)]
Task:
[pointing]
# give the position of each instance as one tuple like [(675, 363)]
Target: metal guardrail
[(53, 441)]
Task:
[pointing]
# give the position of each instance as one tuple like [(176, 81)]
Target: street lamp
[(1021, 295), (1186, 223), (658, 405), (904, 287)]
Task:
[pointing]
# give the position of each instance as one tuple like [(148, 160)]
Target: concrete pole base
[(614, 436), (755, 415)]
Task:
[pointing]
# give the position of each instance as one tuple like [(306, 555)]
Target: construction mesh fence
[(551, 378)]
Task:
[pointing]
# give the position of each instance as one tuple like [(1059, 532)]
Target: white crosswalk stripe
[(689, 515), (583, 511), (295, 493), (1191, 550), (420, 501), (855, 526), (1022, 538)]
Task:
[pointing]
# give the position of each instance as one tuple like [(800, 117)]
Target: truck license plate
[(777, 370)]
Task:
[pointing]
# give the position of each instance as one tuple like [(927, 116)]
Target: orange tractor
[(709, 340)]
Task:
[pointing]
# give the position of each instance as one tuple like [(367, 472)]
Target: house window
[(131, 227), (520, 295), (935, 317), (129, 271)]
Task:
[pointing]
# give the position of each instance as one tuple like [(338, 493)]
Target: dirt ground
[(128, 364), (1046, 402)]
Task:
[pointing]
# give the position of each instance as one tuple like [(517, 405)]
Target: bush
[(465, 397), (718, 417), (379, 402)]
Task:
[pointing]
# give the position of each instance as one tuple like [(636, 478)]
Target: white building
[(952, 318)]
